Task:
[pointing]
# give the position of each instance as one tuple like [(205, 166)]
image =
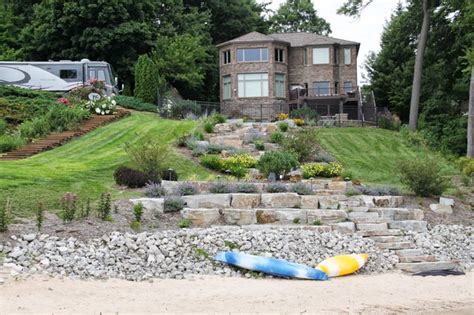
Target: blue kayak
[(272, 266)]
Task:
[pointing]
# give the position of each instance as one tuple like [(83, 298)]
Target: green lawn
[(85, 166), (371, 154)]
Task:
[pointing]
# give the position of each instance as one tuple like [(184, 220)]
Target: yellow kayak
[(343, 264)]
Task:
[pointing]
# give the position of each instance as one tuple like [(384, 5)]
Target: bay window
[(253, 84)]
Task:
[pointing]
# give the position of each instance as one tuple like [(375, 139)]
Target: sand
[(369, 294)]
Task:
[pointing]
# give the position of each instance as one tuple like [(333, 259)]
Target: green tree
[(298, 16), (147, 80), (10, 48)]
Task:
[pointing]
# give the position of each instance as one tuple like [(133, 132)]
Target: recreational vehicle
[(61, 76)]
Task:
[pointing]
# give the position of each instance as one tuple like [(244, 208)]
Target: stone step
[(409, 252), (359, 209), (399, 214), (426, 266), (369, 220), (389, 232), (316, 228), (409, 225), (416, 259), (372, 226), (386, 239), (395, 245), (363, 215)]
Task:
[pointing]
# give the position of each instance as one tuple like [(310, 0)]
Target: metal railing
[(322, 92)]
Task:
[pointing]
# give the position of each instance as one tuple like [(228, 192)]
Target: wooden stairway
[(57, 139)]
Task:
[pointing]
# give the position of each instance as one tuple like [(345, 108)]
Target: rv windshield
[(111, 75)]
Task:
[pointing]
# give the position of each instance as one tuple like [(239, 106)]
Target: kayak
[(343, 264), (272, 266)]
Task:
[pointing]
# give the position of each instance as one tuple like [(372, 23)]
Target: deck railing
[(322, 92)]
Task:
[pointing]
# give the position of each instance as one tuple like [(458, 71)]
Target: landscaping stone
[(399, 213), (271, 146), (227, 140), (283, 216), (201, 217), (245, 200), (426, 266), (310, 202), (326, 216), (371, 226), (295, 176), (281, 200), (338, 185), (222, 128), (330, 202), (446, 201), (343, 227), (219, 201), (409, 225), (388, 201), (150, 205), (239, 216), (441, 208), (395, 245), (383, 232)]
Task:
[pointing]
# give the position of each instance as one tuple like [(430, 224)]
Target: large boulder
[(247, 201), (388, 201), (201, 217), (441, 208), (282, 216), (281, 200), (326, 216), (343, 227), (239, 216), (409, 225), (227, 140), (151, 205), (219, 201), (310, 202), (331, 202)]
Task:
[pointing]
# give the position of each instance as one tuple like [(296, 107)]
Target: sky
[(366, 30)]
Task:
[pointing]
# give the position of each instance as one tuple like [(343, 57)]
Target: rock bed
[(447, 242), (179, 253)]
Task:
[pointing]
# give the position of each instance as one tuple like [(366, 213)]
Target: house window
[(347, 56), (253, 84), (280, 85), (321, 88), (347, 87), (226, 57), (227, 84), (305, 56), (279, 55), (68, 74), (252, 54), (320, 56)]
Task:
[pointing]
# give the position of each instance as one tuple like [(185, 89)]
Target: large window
[(68, 74), (279, 55), (347, 56), (280, 85), (347, 87), (321, 88), (253, 84), (226, 57), (320, 56), (252, 54), (227, 87)]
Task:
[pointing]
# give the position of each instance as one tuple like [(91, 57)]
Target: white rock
[(446, 201), (441, 208)]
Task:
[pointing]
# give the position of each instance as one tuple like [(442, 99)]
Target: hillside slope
[(372, 154), (85, 166)]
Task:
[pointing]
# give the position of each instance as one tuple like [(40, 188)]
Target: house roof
[(252, 37), (300, 39), (296, 39)]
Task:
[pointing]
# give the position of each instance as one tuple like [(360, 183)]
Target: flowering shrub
[(103, 106), (298, 121), (244, 160), (332, 169), (64, 101), (282, 116), (92, 86)]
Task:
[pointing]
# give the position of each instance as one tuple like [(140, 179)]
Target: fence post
[(341, 109)]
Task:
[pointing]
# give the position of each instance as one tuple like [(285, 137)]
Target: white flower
[(102, 113), (114, 102), (107, 111), (97, 110), (104, 106)]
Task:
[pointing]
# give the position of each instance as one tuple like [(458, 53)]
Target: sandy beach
[(373, 294)]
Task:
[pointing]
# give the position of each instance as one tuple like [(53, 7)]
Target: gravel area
[(178, 253)]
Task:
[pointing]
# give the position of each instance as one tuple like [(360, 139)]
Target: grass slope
[(85, 166), (372, 154)]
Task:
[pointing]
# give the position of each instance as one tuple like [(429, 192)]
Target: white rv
[(61, 76)]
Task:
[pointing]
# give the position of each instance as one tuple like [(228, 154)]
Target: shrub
[(3, 126), (39, 215), (135, 103), (218, 118), (301, 189), (68, 206), (182, 140), (323, 156), (184, 223), (212, 162), (208, 126), (332, 169), (105, 207), (198, 136), (352, 191), (304, 113), (220, 188), (317, 222), (186, 189), (276, 188), (259, 145), (179, 109), (389, 121), (302, 143), (247, 188), (215, 148), (154, 190), (82, 92), (276, 162), (147, 80), (283, 126), (63, 118), (169, 174), (422, 176), (282, 116), (173, 204), (296, 221), (467, 165), (277, 137), (298, 121), (379, 190), (10, 142), (35, 128), (4, 216), (148, 157), (138, 212), (132, 178), (103, 106), (244, 160)]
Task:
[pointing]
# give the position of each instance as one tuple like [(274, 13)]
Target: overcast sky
[(365, 30)]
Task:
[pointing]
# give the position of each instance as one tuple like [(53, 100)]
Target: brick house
[(262, 75)]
